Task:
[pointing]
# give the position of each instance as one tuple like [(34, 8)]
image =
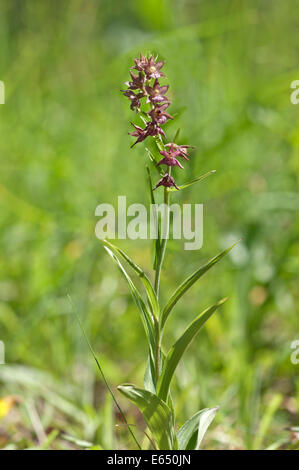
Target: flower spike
[(145, 84)]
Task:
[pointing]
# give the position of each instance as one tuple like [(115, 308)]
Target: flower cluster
[(145, 84)]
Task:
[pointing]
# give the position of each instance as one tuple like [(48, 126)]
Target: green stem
[(157, 351), (159, 142), (164, 240), (157, 281)]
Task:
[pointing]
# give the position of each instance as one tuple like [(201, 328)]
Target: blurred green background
[(64, 149)]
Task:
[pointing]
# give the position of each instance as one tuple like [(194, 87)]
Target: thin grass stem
[(102, 372)]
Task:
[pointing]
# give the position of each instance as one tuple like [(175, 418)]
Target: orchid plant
[(148, 98)]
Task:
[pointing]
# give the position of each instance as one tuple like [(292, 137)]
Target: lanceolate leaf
[(196, 180), (189, 283), (146, 317), (156, 413), (177, 350), (149, 381), (152, 298), (192, 432)]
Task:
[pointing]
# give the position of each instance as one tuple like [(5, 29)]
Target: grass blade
[(108, 424), (176, 135), (102, 372), (76, 441), (266, 419)]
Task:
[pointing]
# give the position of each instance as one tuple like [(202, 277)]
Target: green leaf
[(189, 283), (192, 432), (152, 298), (156, 413), (146, 317), (177, 350), (149, 381), (196, 180)]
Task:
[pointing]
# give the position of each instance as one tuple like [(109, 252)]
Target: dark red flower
[(156, 92), (135, 99), (153, 69), (159, 115), (139, 132), (137, 81), (154, 129), (141, 85), (178, 150), (166, 181), (151, 129), (169, 160), (141, 63)]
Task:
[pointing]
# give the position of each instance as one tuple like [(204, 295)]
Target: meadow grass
[(64, 149)]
